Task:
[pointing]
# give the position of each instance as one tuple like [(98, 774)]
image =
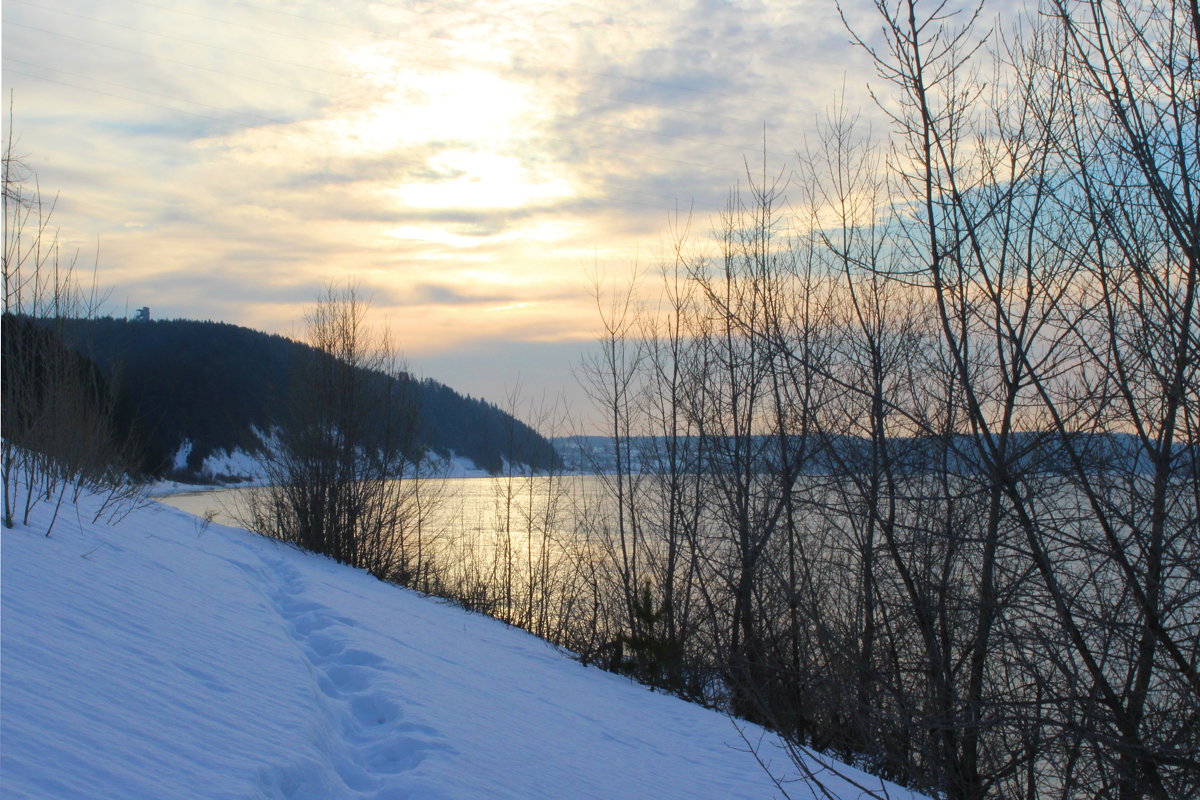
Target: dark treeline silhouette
[(480, 430), (216, 384)]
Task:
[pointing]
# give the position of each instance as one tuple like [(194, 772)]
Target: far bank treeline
[(215, 384)]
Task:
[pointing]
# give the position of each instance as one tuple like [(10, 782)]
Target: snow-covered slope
[(159, 659)]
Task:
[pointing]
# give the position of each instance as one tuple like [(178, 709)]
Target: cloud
[(469, 162), (442, 294)]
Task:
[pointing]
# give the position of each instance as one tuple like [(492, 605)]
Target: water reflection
[(479, 510), (501, 545)]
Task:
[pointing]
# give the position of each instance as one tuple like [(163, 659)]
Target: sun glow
[(467, 134), (465, 107), (479, 179)]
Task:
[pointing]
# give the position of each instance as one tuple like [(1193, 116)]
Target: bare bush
[(61, 430), (344, 469)]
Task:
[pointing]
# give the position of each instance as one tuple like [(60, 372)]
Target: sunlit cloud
[(467, 163), (480, 179)]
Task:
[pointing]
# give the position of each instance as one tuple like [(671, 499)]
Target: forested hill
[(212, 383)]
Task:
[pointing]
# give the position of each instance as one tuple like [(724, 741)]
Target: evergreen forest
[(218, 385)]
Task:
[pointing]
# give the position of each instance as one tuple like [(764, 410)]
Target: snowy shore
[(164, 659)]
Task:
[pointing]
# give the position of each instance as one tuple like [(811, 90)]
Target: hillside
[(212, 385), (160, 659)]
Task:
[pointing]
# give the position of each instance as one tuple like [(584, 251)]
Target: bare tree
[(1054, 225), (612, 379), (341, 466), (918, 484)]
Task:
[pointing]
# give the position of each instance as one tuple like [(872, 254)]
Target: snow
[(237, 467), (227, 466), (457, 466), (162, 658), (179, 460)]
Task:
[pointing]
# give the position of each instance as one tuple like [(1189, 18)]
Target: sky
[(473, 166)]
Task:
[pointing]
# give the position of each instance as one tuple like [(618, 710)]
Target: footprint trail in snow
[(367, 748)]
